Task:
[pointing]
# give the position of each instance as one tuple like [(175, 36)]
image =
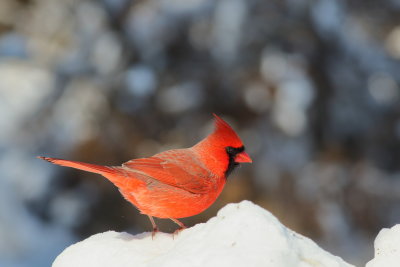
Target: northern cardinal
[(175, 183)]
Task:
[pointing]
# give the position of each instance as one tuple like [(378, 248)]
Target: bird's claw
[(177, 231), (155, 230)]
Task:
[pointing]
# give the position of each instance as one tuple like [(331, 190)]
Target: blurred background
[(311, 86)]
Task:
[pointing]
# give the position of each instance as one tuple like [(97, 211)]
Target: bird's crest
[(225, 133)]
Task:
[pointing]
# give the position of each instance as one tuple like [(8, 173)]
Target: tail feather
[(103, 170)]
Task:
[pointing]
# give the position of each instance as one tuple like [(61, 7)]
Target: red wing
[(176, 168)]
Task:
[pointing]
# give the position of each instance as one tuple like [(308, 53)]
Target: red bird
[(175, 183)]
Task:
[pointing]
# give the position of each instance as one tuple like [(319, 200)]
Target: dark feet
[(155, 230), (178, 230), (181, 227)]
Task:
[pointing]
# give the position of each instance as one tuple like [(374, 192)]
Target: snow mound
[(241, 234), (387, 248)]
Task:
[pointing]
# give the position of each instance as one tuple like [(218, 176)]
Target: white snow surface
[(387, 248), (241, 234)]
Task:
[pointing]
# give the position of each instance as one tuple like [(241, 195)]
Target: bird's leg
[(155, 228), (181, 225)]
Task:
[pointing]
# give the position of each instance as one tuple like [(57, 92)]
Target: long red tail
[(103, 170)]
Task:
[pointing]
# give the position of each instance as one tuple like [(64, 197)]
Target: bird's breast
[(164, 201)]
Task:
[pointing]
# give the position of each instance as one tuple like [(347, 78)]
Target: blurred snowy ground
[(311, 86)]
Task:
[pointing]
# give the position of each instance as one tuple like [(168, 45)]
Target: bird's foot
[(181, 226), (177, 231), (155, 230)]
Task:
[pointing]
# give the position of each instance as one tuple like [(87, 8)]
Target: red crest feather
[(225, 133)]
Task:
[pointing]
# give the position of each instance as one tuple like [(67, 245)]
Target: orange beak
[(243, 157)]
